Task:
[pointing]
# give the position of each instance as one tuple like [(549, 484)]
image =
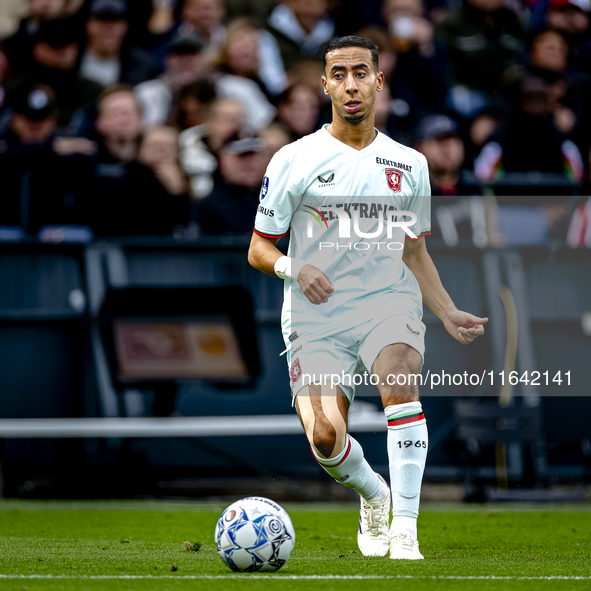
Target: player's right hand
[(316, 286)]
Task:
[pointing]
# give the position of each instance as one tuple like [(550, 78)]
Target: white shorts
[(351, 351)]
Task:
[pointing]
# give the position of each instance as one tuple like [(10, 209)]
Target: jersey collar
[(344, 146)]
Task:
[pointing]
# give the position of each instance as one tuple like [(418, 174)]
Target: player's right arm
[(264, 255), (279, 198)]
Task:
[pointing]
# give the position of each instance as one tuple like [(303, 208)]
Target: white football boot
[(374, 524), (404, 547)]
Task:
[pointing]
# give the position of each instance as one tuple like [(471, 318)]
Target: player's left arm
[(464, 327)]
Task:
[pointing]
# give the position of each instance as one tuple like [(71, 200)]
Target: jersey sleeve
[(278, 196), (420, 203)]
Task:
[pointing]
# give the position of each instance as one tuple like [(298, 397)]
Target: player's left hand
[(464, 327)]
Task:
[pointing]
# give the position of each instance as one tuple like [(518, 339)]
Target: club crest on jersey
[(295, 371), (394, 178)]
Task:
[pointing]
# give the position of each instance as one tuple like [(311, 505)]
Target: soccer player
[(358, 207)]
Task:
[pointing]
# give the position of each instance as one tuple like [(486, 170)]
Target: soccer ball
[(254, 535)]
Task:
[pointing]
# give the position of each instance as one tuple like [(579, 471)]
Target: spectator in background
[(455, 214), (201, 145), (36, 166), (232, 205), (32, 125), (570, 89), (394, 115), (18, 46), (133, 186), (274, 137), (483, 126), (301, 28), (159, 151), (184, 63), (298, 111), (119, 122), (205, 18), (389, 122), (248, 53), (529, 141), (382, 40), (192, 105), (419, 74), (438, 138), (483, 39), (119, 128), (571, 18), (55, 56), (151, 197), (106, 58)]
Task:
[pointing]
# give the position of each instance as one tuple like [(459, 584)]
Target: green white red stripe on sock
[(406, 419), (333, 463)]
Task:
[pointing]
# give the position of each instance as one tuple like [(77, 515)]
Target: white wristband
[(287, 267)]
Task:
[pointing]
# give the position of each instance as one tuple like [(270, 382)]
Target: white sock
[(351, 469), (408, 441), (405, 525)]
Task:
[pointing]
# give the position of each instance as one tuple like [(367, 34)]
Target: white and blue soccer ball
[(254, 535)]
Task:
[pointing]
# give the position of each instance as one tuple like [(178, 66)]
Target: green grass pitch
[(117, 546)]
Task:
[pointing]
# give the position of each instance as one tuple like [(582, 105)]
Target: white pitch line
[(270, 577)]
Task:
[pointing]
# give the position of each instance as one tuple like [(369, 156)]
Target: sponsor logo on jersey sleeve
[(265, 188), (266, 211)]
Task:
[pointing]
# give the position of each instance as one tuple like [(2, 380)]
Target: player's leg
[(323, 410), (407, 442), (394, 351)]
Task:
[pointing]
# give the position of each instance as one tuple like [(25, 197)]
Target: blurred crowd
[(159, 117)]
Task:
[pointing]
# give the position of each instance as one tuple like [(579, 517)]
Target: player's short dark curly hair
[(352, 41)]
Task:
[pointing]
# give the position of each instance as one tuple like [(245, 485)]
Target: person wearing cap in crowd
[(37, 167), (107, 58), (18, 46), (55, 55), (184, 63), (233, 202), (437, 137)]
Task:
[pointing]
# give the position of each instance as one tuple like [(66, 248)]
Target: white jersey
[(341, 206)]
